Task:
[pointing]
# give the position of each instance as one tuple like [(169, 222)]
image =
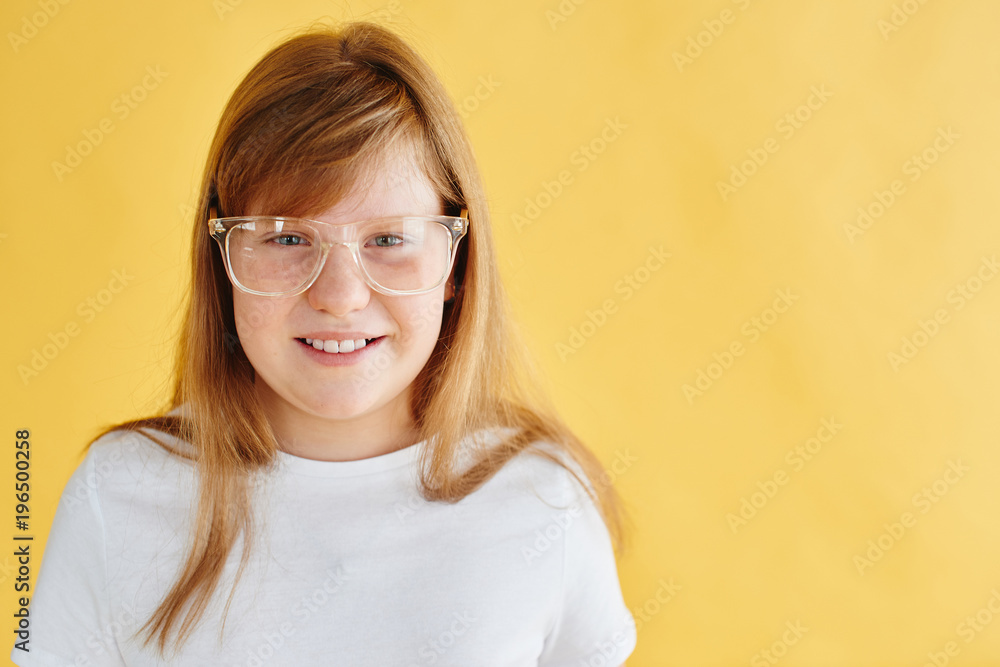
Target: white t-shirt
[(350, 566)]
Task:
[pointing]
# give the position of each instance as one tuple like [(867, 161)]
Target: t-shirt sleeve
[(594, 626), (71, 623)]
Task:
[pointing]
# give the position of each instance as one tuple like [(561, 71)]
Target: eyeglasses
[(281, 256)]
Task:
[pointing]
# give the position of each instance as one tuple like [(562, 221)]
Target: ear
[(449, 287)]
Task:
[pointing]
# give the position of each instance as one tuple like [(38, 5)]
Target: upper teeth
[(337, 345)]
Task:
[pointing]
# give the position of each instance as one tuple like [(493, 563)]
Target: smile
[(338, 346)]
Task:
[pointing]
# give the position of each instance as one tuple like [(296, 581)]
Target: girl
[(353, 469)]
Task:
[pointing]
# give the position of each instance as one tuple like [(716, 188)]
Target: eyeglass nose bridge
[(355, 251)]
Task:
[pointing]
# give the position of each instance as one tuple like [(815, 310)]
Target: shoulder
[(544, 470), (122, 463), (131, 450)]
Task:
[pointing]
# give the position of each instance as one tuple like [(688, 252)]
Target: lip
[(338, 335), (340, 358)]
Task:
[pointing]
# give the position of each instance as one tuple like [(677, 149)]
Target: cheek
[(421, 322), (253, 315)]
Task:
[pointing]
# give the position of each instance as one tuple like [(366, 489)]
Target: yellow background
[(683, 464)]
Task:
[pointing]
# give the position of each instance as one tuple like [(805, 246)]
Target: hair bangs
[(301, 151)]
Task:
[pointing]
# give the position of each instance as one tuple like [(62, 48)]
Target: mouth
[(339, 346)]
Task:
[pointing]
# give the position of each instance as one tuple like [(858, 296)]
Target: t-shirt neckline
[(375, 464)]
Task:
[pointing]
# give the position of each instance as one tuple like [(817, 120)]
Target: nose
[(340, 288)]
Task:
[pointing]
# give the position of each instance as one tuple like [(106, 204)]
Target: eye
[(289, 239), (385, 240)]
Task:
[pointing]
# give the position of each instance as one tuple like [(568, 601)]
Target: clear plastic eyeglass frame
[(219, 228)]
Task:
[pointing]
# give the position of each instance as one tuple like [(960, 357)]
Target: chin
[(337, 409)]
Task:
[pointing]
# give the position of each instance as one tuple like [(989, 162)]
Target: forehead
[(395, 185)]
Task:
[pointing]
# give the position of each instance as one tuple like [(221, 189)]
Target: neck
[(306, 435)]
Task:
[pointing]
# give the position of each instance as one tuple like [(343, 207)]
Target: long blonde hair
[(298, 131)]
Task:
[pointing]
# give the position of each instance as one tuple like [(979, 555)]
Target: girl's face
[(371, 386)]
